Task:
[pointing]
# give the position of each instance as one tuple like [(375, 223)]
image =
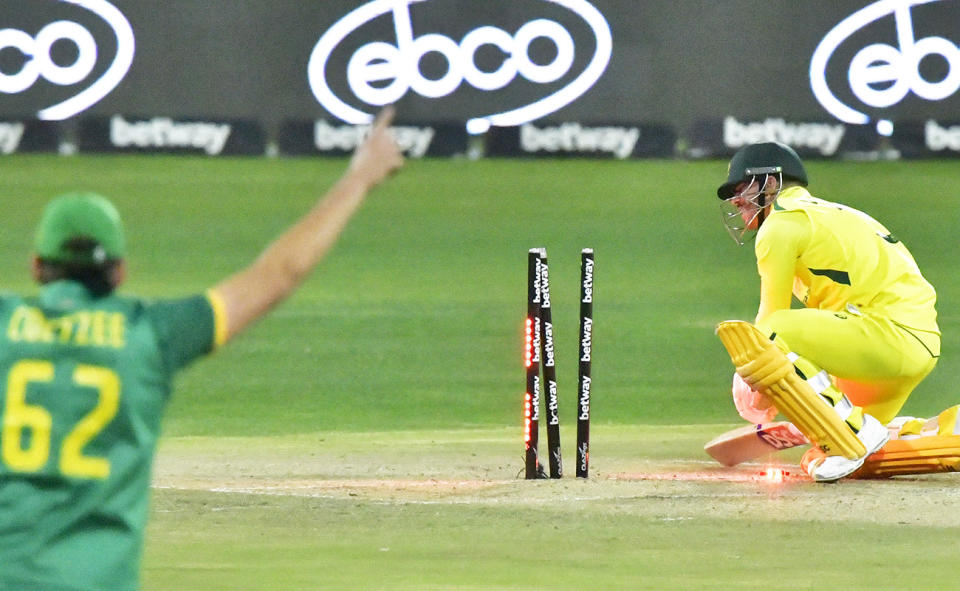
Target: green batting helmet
[(86, 216), (765, 158)]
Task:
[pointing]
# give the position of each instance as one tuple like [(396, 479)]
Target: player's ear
[(119, 274), (35, 270), (773, 184)]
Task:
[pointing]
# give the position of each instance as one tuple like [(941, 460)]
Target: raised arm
[(285, 263)]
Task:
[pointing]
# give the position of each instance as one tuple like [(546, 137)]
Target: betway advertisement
[(605, 78)]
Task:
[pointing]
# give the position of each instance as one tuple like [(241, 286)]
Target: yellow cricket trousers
[(874, 361)]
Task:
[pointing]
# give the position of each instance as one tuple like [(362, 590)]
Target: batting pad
[(924, 455), (767, 369)]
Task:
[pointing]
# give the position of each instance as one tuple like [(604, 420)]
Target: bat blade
[(753, 441)]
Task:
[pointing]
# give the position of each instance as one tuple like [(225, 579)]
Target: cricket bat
[(754, 441)]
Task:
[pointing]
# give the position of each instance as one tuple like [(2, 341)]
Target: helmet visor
[(743, 213), (738, 228)]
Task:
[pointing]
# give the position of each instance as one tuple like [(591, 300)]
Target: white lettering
[(39, 64), (781, 438), (535, 400), (162, 132), (823, 137), (942, 138), (414, 141), (536, 340), (584, 399), (537, 280), (774, 441), (10, 135), (881, 75), (379, 61), (544, 285), (587, 287), (573, 137), (380, 73), (586, 340), (548, 344), (553, 405)]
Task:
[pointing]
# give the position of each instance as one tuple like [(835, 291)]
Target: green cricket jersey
[(83, 386)]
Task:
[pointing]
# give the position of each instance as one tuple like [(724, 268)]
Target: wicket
[(586, 352), (539, 353), (531, 404)]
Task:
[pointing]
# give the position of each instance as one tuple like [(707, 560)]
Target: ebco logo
[(38, 62), (380, 73), (881, 75)]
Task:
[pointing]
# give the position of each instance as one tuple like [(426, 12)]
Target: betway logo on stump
[(381, 72)]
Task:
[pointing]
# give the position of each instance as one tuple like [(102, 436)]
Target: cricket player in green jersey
[(867, 334), (85, 375)]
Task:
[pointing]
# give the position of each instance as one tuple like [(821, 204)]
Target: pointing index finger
[(384, 118)]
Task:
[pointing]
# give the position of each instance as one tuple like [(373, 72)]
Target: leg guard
[(923, 455), (922, 446), (947, 423), (944, 423), (823, 414)]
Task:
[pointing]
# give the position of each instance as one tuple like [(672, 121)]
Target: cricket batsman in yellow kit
[(844, 365)]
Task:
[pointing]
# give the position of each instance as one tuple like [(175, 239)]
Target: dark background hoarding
[(672, 62)]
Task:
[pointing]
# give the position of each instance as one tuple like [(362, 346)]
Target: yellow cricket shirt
[(829, 255)]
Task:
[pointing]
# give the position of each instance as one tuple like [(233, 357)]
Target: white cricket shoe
[(832, 468)]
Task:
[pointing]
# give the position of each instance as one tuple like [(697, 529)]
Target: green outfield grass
[(400, 361), (415, 510), (414, 321)]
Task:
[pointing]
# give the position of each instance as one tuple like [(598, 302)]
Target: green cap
[(80, 215)]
